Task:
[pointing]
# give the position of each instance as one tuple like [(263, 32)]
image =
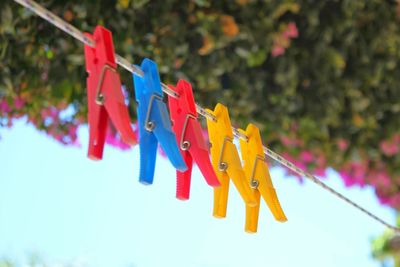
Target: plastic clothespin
[(105, 98), (153, 123), (258, 178), (190, 138), (226, 161)]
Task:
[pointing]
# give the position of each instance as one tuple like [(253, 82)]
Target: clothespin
[(258, 178), (226, 161), (190, 138), (105, 98), (153, 123)]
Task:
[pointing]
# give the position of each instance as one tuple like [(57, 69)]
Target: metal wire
[(71, 30), (317, 181)]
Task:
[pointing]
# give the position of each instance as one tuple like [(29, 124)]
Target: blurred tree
[(319, 77)]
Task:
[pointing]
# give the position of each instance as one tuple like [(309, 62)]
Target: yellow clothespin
[(258, 178), (226, 161)]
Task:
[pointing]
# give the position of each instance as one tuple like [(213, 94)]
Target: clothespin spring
[(254, 182), (184, 144), (150, 125), (99, 96), (222, 166)]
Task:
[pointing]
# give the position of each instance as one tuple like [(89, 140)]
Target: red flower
[(4, 107), (342, 144), (389, 148), (277, 51), (306, 156), (19, 102), (291, 30)]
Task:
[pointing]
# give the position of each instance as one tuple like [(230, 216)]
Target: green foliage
[(386, 248), (320, 78)]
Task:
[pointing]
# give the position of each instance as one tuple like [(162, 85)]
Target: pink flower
[(380, 179), (277, 51), (44, 113), (54, 112), (72, 129), (282, 39), (320, 171), (290, 142), (50, 112), (113, 139), (389, 148), (116, 142), (285, 140), (354, 174), (306, 156), (162, 152), (19, 102), (346, 177), (58, 137), (359, 170), (384, 179), (72, 133), (342, 144), (4, 107), (384, 200), (291, 31), (395, 201)]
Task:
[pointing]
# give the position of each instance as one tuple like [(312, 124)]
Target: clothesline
[(79, 35)]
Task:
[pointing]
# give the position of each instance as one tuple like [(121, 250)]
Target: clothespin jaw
[(226, 161), (105, 97), (190, 138), (185, 102), (258, 178), (153, 123)]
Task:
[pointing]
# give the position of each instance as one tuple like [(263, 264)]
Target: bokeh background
[(320, 79)]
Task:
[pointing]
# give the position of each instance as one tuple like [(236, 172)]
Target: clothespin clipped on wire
[(258, 178), (105, 98), (153, 123), (226, 161), (190, 138)]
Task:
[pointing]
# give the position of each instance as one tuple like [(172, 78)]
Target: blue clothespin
[(154, 123)]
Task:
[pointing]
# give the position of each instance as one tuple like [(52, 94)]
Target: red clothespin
[(190, 139), (104, 93)]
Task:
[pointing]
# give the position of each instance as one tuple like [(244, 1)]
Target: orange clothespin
[(258, 178), (226, 161)]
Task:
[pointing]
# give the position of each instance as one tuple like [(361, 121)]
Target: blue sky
[(57, 203)]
